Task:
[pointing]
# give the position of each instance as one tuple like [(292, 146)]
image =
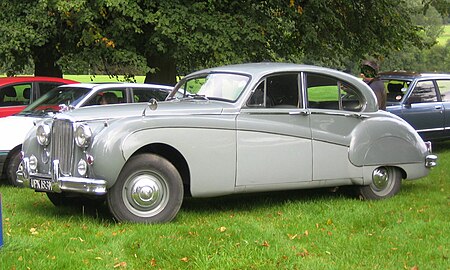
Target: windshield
[(51, 101), (219, 86)]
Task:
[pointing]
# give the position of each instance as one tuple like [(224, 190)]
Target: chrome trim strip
[(430, 129), (346, 113), (62, 183)]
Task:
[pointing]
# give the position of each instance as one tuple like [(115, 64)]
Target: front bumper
[(58, 182)]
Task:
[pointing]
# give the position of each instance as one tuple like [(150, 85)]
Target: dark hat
[(371, 64)]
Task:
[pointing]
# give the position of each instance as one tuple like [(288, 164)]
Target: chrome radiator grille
[(62, 144)]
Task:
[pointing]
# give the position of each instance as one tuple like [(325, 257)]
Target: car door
[(444, 90), (14, 98), (335, 110), (273, 135), (423, 110)]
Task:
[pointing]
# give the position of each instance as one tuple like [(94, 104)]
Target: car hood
[(14, 130), (183, 107)]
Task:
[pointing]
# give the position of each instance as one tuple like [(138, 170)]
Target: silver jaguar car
[(237, 129)]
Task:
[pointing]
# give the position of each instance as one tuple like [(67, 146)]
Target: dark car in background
[(18, 92), (422, 99)]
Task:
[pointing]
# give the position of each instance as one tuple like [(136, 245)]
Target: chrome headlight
[(83, 135), (43, 134)]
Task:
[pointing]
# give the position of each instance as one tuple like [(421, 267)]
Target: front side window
[(45, 87), (325, 92), (145, 94), (396, 89), (109, 96), (276, 92), (444, 89), (423, 92), (218, 86)]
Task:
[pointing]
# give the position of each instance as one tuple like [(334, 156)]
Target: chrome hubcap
[(146, 194), (380, 178)]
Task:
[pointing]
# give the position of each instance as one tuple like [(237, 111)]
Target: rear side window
[(423, 92), (325, 92), (14, 95)]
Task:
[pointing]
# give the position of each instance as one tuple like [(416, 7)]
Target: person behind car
[(369, 74)]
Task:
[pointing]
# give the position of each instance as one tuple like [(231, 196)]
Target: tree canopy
[(168, 38)]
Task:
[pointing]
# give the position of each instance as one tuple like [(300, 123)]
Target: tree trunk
[(45, 59), (165, 70)]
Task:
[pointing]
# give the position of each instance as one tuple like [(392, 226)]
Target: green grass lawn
[(445, 36), (312, 229), (101, 78)]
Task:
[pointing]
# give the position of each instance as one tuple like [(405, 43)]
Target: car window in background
[(444, 89), (144, 95), (423, 92), (329, 93), (14, 95), (44, 87), (110, 96), (277, 91), (50, 102), (396, 89)]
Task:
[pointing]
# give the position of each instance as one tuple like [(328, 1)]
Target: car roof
[(99, 86), (19, 79), (407, 75), (261, 68)]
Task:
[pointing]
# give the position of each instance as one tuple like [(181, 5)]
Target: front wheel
[(149, 189), (13, 166), (385, 183)]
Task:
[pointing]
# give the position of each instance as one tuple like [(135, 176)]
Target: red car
[(18, 92)]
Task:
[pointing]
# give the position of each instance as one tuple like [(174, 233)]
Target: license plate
[(41, 184)]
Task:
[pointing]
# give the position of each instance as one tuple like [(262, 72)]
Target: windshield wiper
[(197, 96)]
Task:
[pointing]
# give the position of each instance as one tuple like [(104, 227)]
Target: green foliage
[(312, 229), (133, 36)]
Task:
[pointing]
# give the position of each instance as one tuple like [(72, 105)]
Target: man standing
[(369, 73)]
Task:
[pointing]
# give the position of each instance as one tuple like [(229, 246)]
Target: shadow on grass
[(79, 208), (252, 201), (99, 212)]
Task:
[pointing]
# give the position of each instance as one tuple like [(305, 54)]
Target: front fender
[(386, 141)]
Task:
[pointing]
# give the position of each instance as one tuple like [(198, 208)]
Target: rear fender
[(386, 141)]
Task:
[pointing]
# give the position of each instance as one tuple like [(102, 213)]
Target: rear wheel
[(386, 182), (13, 166), (149, 190)]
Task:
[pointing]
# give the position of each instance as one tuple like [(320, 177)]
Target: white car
[(68, 97)]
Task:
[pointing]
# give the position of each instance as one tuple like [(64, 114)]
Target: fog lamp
[(33, 163), (82, 167)]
